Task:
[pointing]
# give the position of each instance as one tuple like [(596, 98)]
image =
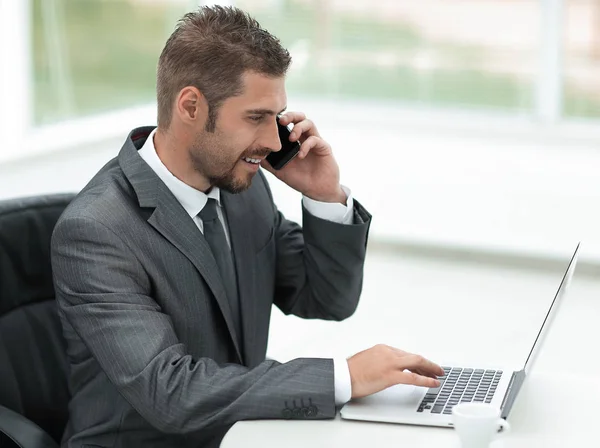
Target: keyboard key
[(437, 409)]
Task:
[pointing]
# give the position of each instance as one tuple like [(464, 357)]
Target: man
[(168, 262)]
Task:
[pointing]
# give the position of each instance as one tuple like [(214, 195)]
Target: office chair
[(34, 392)]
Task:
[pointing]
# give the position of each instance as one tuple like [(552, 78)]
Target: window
[(473, 53), (92, 56), (582, 58)]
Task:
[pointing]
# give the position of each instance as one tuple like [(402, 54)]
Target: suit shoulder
[(102, 198)]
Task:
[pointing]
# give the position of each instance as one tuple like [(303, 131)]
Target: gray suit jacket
[(154, 355)]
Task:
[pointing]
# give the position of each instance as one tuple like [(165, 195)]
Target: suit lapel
[(237, 211), (172, 221)]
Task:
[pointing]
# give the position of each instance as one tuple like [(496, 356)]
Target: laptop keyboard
[(460, 385)]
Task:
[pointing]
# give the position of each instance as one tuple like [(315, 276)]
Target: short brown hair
[(211, 49)]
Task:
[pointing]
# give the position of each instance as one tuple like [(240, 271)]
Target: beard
[(219, 161), (230, 183)]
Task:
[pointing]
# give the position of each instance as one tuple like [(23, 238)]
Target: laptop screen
[(539, 340)]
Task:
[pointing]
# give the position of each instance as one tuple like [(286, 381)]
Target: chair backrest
[(33, 361)]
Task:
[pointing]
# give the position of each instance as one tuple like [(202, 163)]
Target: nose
[(270, 137)]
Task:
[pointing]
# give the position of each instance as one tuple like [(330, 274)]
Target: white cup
[(477, 424)]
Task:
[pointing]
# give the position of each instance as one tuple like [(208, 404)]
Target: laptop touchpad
[(400, 394)]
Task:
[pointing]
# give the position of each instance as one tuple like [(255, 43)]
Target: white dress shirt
[(193, 201)]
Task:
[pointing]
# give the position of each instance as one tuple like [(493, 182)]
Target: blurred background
[(469, 127)]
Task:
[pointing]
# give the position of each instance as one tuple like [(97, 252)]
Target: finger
[(418, 362), (314, 144), (407, 377), (304, 128), (292, 117), (426, 373)]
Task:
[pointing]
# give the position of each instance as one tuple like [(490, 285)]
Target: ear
[(191, 106)]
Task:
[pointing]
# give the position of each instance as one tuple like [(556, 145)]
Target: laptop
[(414, 405)]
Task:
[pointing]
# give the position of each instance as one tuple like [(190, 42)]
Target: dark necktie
[(214, 234)]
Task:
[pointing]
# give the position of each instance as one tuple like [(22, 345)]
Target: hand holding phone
[(288, 150), (314, 173)]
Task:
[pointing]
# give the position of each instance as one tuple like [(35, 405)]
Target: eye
[(256, 118)]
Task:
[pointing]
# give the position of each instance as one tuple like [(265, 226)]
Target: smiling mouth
[(251, 160)]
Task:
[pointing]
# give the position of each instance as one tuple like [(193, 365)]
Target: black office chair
[(33, 366)]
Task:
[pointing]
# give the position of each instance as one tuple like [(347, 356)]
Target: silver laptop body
[(433, 407)]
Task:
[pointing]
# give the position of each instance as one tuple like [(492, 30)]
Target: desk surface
[(550, 412), (495, 315)]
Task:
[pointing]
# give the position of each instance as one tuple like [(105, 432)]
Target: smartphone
[(288, 150)]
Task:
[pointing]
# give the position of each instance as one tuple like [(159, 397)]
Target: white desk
[(548, 414), (494, 314)]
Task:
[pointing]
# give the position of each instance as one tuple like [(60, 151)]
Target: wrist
[(335, 196)]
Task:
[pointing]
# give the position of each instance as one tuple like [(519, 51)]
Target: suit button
[(286, 413), (297, 412), (312, 411)]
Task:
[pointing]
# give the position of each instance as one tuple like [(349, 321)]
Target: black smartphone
[(288, 150)]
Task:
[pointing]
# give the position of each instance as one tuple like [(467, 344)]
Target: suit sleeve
[(104, 293), (320, 265)]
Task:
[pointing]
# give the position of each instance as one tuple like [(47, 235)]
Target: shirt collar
[(192, 200)]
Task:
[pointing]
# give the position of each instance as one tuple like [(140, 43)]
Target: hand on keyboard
[(382, 366)]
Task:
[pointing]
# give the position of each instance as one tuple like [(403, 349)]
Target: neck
[(171, 150)]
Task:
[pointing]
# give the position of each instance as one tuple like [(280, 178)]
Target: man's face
[(245, 132)]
